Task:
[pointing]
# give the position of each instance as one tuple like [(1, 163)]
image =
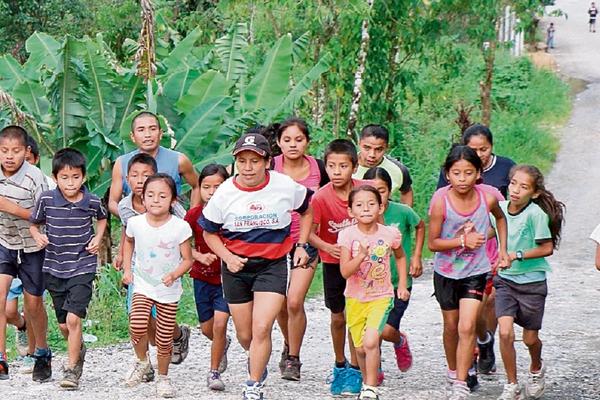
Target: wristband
[(303, 245), (462, 241)]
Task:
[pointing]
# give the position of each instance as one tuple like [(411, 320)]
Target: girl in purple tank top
[(458, 227), (293, 139)]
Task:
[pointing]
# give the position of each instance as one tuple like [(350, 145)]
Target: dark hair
[(341, 146), (33, 146), (477, 130), (379, 173), (461, 152), (14, 132), (213, 169), (364, 188), (545, 200), (68, 157), (161, 176), (144, 114), (143, 158), (270, 133), (298, 123), (377, 131)]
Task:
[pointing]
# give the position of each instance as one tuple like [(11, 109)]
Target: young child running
[(330, 212), (20, 256), (365, 250), (406, 220), (162, 255), (139, 168), (213, 311), (458, 228), (68, 213), (534, 220)]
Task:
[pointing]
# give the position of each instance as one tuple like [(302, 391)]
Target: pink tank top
[(311, 182)]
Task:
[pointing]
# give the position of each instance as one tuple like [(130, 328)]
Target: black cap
[(253, 142)]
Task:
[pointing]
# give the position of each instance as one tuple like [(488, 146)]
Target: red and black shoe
[(3, 367)]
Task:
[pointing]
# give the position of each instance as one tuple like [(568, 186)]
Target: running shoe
[(3, 367), (70, 380), (404, 357), (214, 382), (486, 363), (42, 369), (27, 364), (368, 393), (511, 391), (164, 387), (223, 363), (472, 381), (460, 391), (22, 342), (380, 377), (138, 373), (291, 372), (284, 356), (536, 383), (253, 391), (352, 382), (336, 380), (181, 346)]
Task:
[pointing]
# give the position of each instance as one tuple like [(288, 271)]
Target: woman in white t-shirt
[(162, 255)]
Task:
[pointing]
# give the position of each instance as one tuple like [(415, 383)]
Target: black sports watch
[(303, 245), (519, 255)]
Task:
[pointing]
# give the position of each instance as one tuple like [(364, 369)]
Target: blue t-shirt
[(167, 162), (495, 175)]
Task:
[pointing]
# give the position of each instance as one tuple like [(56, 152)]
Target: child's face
[(209, 186), (372, 151), (146, 133), (137, 175), (252, 168), (521, 189), (69, 181), (383, 190), (293, 143), (158, 198), (31, 158), (339, 169), (12, 155), (482, 147), (365, 207), (462, 176)]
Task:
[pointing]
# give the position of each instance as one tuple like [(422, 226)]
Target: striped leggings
[(141, 307)]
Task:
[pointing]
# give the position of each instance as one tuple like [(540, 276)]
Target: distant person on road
[(593, 12), (534, 221), (595, 236), (550, 36)]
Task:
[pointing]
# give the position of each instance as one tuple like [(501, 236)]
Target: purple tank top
[(311, 181), (459, 263)]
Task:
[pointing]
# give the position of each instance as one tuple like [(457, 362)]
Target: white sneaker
[(253, 392), (164, 388), (27, 364), (22, 342), (511, 391), (368, 392), (137, 375), (460, 391), (536, 383), (214, 382)]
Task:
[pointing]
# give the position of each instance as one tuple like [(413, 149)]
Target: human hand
[(403, 294), (40, 239), (168, 279), (94, 244), (300, 257), (474, 240), (416, 267), (205, 258), (235, 263), (118, 262), (127, 278), (334, 250)]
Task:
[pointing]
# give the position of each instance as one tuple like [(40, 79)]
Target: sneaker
[(487, 360), (352, 382), (368, 392), (472, 381), (79, 366), (149, 376), (536, 383), (164, 387), (460, 391), (3, 367), (22, 342), (181, 346), (264, 375), (336, 380), (252, 391), (511, 391), (380, 377), (223, 363), (70, 380), (404, 357), (284, 356), (214, 382), (291, 372), (137, 375), (27, 364), (42, 369)]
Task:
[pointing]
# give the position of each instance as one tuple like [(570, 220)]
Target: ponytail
[(545, 200)]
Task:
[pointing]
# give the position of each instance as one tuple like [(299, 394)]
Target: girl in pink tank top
[(458, 228)]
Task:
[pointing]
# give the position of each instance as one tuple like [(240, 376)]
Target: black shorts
[(448, 292), (312, 252), (524, 302), (26, 266), (70, 295), (397, 312), (334, 286), (258, 275)]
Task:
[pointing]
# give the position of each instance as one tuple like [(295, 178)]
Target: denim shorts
[(209, 298)]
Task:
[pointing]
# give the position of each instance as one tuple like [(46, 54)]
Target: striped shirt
[(23, 188), (69, 227)]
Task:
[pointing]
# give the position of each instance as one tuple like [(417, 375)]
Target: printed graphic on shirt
[(374, 272)]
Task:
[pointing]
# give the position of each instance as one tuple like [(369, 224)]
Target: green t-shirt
[(405, 219), (401, 180), (525, 230)]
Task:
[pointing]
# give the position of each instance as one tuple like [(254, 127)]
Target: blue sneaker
[(336, 380), (352, 382), (264, 375)]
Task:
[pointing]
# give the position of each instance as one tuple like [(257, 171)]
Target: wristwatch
[(519, 255), (303, 245)]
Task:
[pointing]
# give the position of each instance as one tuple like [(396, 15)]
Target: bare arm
[(40, 239), (316, 241), (501, 227), (234, 263), (407, 197), (349, 265), (9, 207), (118, 261), (116, 189), (598, 257), (416, 263), (186, 169), (127, 255), (184, 266)]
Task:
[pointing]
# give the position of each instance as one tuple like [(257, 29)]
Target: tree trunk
[(393, 61), (485, 86), (358, 76)]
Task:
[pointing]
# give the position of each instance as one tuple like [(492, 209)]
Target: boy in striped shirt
[(71, 248), (21, 184)]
